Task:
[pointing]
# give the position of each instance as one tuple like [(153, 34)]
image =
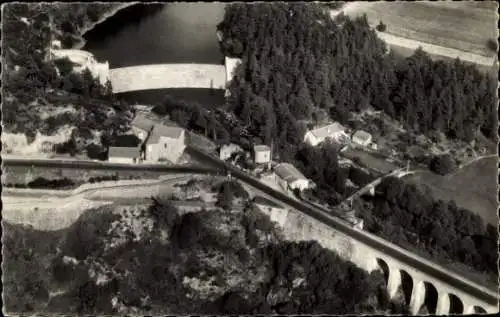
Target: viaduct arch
[(422, 293)]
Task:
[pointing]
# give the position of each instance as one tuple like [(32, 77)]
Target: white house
[(362, 138), (333, 131), (290, 178), (125, 155), (262, 154), (165, 143), (227, 150)]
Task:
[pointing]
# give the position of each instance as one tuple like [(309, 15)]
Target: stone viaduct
[(162, 76), (441, 291)]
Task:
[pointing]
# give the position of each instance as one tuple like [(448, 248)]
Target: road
[(98, 165), (487, 295), (477, 159), (391, 250), (49, 212)]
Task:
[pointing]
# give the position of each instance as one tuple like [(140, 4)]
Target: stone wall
[(145, 77)]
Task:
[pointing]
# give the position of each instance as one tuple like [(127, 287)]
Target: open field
[(370, 160), (474, 187), (465, 26)]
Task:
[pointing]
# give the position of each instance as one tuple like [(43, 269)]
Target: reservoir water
[(161, 33)]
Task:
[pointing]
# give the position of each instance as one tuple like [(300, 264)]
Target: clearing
[(474, 187), (465, 26)]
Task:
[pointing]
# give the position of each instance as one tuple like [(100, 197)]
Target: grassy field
[(370, 161), (474, 187), (466, 25)]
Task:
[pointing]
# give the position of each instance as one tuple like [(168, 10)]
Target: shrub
[(96, 152), (492, 44), (381, 27), (442, 164)]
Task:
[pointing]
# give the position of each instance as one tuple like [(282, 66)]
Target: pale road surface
[(159, 76), (477, 159)]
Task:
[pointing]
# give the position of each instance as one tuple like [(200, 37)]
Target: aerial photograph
[(250, 158)]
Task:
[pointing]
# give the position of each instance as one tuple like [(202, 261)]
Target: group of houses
[(158, 143), (286, 175)]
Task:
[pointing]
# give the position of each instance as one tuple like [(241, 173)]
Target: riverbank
[(119, 6)]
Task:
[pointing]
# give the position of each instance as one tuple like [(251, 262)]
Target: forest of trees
[(296, 59), (31, 81), (406, 216), (300, 277)]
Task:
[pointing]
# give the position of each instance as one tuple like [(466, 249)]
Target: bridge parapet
[(164, 76)]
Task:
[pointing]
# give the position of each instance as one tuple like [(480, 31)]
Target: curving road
[(487, 295)]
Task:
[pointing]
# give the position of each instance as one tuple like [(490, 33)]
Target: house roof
[(164, 131), (230, 147), (362, 135), (142, 122), (327, 130), (261, 148), (288, 172), (128, 152)]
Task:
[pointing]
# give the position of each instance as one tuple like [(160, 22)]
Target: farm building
[(290, 178), (227, 150), (362, 138), (333, 131), (262, 154), (141, 126), (165, 143), (125, 155)]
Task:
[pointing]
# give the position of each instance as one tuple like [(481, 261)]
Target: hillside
[(44, 97), (156, 260)]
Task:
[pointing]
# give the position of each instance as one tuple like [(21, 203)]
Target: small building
[(290, 178), (125, 155), (165, 143), (142, 126), (362, 138), (226, 151), (262, 154), (334, 131), (47, 147)]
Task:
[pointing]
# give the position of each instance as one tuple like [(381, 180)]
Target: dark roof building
[(125, 152)]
